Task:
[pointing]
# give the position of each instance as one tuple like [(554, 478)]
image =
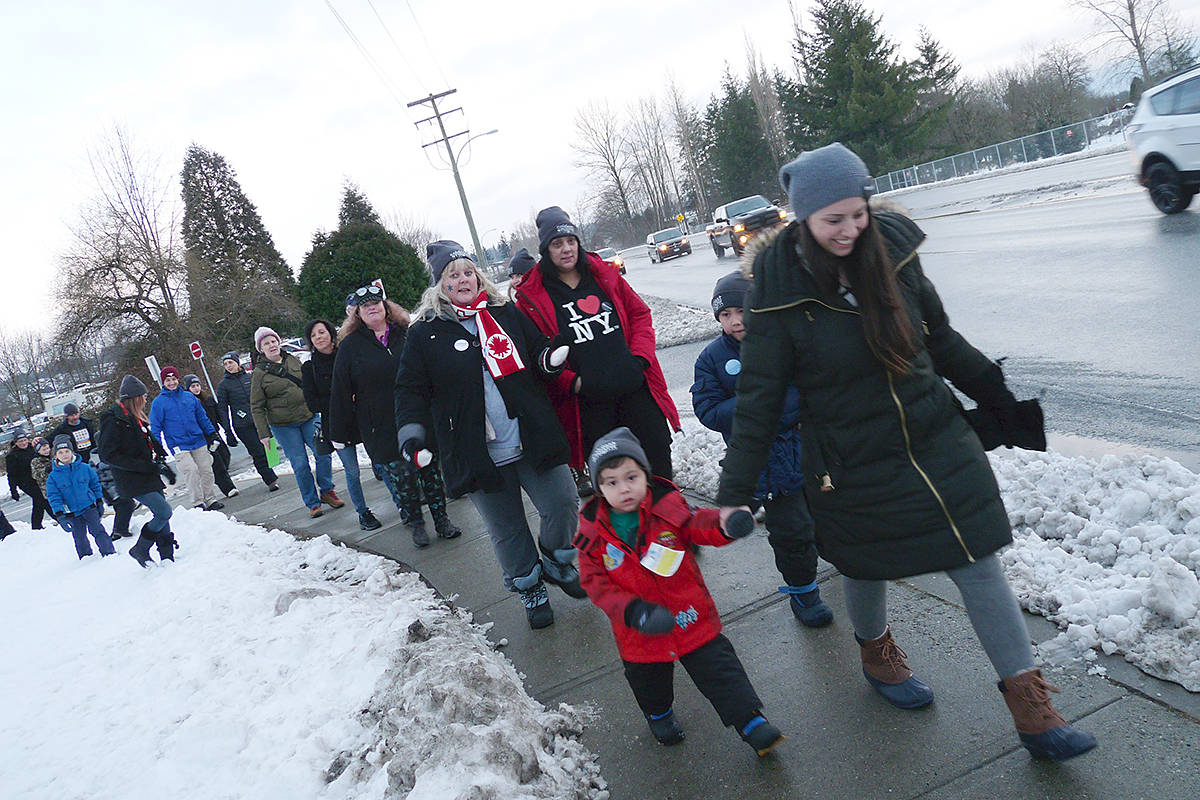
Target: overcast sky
[(280, 90)]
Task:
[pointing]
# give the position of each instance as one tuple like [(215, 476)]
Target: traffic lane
[(685, 279), (1104, 281)]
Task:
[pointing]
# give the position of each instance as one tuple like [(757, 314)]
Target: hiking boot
[(885, 668), (537, 606), (807, 606), (1041, 728), (583, 483), (562, 574), (367, 521), (273, 487), (666, 728), (761, 735), (330, 498), (315, 512), (444, 527), (419, 536), (215, 505)]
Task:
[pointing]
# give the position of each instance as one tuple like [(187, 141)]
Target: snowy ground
[(260, 666), (1108, 549)]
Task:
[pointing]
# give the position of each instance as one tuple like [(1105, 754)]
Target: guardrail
[(1074, 138)]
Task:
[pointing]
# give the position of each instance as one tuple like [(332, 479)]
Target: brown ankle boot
[(1040, 727), (885, 668)]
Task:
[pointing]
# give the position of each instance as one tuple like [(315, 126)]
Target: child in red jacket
[(635, 562)]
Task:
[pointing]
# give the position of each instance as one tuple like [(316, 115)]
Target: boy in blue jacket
[(780, 487), (73, 491)]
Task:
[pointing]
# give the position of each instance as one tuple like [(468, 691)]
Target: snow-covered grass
[(1107, 549), (675, 323), (260, 666)]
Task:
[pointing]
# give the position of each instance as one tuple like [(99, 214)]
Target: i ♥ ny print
[(588, 317)]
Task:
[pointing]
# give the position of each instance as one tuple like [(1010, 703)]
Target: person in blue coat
[(780, 487), (179, 421), (73, 491)]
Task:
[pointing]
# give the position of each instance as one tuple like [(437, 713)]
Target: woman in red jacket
[(612, 377)]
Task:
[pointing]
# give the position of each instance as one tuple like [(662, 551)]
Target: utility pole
[(431, 101)]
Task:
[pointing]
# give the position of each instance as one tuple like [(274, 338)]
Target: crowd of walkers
[(827, 382)]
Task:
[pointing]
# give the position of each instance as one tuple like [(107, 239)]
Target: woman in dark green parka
[(897, 481)]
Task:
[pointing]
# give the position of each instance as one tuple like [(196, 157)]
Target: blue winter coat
[(177, 416), (73, 487), (714, 399)]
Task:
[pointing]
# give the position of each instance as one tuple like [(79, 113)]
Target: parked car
[(667, 243), (1164, 140), (612, 256), (297, 348)]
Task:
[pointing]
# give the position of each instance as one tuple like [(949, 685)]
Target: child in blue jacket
[(780, 487), (73, 491)]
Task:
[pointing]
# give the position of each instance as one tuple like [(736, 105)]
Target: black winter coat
[(129, 452), (361, 407), (233, 402), (912, 490), (17, 465), (317, 375), (67, 429), (442, 380)]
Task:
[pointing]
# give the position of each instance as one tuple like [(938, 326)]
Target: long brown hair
[(136, 406), (872, 277), (396, 315)]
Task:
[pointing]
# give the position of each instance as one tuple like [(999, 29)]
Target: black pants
[(638, 412), (249, 437), (717, 673), (5, 526), (790, 532), (122, 511), (40, 506), (220, 469)]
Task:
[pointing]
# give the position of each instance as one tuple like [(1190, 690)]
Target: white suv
[(1164, 139)]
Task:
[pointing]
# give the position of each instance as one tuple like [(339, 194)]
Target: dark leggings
[(639, 412), (407, 485), (40, 507)]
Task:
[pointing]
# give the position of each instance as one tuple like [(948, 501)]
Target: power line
[(366, 55), (432, 55), (399, 50)]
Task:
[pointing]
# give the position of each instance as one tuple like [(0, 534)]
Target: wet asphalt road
[(1095, 302)]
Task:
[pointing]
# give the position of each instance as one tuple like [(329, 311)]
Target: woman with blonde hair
[(473, 381), (138, 466), (361, 407)]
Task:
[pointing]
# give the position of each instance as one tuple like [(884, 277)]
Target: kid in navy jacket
[(636, 564), (73, 490), (789, 525)]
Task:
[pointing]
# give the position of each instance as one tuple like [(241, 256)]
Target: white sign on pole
[(379, 282), (152, 365)]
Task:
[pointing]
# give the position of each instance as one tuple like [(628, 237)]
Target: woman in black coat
[(897, 482), (492, 422), (138, 465), (361, 405)]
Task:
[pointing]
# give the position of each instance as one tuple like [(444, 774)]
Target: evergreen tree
[(236, 278), (734, 146), (854, 89), (935, 74), (358, 252)]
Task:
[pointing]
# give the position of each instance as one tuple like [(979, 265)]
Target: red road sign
[(197, 353)]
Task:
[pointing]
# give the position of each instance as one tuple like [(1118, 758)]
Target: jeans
[(83, 523), (991, 606), (348, 455), (294, 439), (157, 504)]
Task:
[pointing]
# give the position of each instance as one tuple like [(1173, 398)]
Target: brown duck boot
[(885, 668), (1041, 728)]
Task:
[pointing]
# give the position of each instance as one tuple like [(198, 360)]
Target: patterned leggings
[(407, 486)]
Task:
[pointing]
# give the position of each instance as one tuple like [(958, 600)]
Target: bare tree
[(123, 276), (600, 150), (1136, 29), (411, 230), (688, 140), (20, 379), (766, 104), (652, 157)]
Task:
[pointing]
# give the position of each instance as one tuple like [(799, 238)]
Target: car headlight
[(683, 240), (782, 214), (739, 228), (743, 239), (664, 247)]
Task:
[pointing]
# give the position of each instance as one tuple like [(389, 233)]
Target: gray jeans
[(991, 607), (556, 499)]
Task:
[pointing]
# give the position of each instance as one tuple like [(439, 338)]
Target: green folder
[(273, 457)]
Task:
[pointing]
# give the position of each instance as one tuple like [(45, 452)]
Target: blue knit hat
[(824, 176)]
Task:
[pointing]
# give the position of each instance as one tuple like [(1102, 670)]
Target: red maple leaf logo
[(499, 346)]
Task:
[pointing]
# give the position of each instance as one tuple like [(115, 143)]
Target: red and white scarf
[(499, 351)]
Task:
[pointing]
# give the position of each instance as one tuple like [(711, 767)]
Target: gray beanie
[(63, 441), (131, 387), (70, 408), (615, 443), (232, 355), (730, 292), (441, 253), (552, 223), (189, 379), (521, 262), (822, 177)]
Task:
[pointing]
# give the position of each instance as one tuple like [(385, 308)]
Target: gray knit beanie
[(522, 261), (617, 442), (441, 253), (822, 177), (552, 223), (189, 379), (131, 387), (730, 292)]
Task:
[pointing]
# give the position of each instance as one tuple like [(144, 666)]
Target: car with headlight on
[(1164, 140), (735, 224), (667, 243), (613, 257)]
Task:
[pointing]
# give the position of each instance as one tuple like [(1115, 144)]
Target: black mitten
[(987, 388), (649, 618)]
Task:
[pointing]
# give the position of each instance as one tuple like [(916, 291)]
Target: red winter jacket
[(531, 297), (612, 573)]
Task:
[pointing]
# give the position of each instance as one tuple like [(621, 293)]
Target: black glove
[(231, 441), (1019, 424), (16, 495), (415, 454), (545, 357), (987, 388), (739, 524), (649, 618), (165, 470)]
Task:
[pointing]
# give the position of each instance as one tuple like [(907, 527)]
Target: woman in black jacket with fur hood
[(897, 481), (474, 368)]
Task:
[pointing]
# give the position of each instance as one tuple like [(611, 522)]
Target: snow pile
[(259, 666), (675, 323), (1109, 549)]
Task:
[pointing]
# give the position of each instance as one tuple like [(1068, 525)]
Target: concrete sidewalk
[(843, 740)]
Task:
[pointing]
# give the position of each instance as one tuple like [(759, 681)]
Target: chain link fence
[(1074, 138)]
